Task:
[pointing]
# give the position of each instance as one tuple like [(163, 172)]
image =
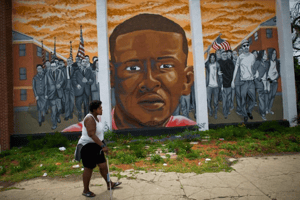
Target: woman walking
[(91, 147)]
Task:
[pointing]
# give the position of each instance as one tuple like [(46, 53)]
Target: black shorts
[(90, 155)]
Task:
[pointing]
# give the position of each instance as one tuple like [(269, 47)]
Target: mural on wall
[(242, 61), (53, 89), (55, 63), (295, 24), (151, 64)]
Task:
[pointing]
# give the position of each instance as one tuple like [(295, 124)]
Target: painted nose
[(150, 81)]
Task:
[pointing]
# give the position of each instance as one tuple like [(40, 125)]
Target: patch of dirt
[(5, 184), (141, 164), (124, 166), (191, 162), (15, 162)]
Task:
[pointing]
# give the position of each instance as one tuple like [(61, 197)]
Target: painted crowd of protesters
[(59, 86), (249, 77)]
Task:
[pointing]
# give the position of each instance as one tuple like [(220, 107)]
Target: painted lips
[(151, 102)]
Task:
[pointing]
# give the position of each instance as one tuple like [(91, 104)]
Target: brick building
[(6, 75), (264, 37), (27, 53)]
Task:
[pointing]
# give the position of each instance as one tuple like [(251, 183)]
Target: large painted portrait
[(242, 61), (151, 64)]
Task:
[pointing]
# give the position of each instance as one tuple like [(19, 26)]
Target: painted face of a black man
[(150, 75)]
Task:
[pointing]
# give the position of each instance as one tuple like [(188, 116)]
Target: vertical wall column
[(286, 61), (199, 68), (103, 61), (6, 75)]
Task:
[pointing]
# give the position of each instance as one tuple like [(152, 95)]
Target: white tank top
[(85, 138)]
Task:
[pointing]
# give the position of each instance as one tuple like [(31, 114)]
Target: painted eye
[(164, 66), (133, 68)]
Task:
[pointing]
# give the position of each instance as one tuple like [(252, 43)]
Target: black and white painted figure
[(62, 68), (234, 58), (95, 86), (68, 72), (54, 93), (227, 69), (273, 73), (213, 76), (219, 57), (259, 71), (46, 69), (82, 81), (38, 86), (245, 63)]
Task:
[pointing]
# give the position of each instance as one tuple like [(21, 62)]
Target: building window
[(23, 95), (255, 36), (47, 55), (39, 51), (250, 40), (23, 73), (22, 50), (269, 33)]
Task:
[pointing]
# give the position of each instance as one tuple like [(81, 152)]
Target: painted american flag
[(80, 52), (219, 43)]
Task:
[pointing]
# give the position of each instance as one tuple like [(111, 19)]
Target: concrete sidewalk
[(257, 178)]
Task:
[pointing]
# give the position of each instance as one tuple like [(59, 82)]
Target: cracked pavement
[(253, 178)]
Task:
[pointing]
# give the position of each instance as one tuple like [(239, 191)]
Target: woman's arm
[(90, 125)]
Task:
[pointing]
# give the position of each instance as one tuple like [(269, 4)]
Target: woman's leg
[(87, 174), (103, 171)]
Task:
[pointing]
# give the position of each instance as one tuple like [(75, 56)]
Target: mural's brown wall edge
[(6, 75)]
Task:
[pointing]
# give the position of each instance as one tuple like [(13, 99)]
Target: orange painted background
[(46, 19)]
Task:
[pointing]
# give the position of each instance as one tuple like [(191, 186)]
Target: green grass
[(24, 163)]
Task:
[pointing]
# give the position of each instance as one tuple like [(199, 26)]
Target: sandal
[(89, 194), (114, 185)]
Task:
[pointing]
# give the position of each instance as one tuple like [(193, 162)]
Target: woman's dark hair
[(260, 55), (94, 105), (212, 54), (94, 65)]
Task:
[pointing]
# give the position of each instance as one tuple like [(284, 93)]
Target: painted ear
[(189, 73), (112, 74)]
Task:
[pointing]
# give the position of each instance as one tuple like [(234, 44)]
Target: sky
[(46, 19)]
